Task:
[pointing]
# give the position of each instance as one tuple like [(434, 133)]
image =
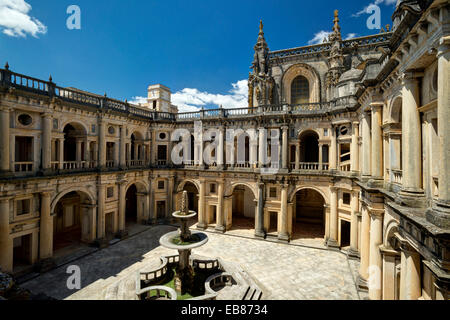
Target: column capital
[(46, 194), (284, 186), (376, 105), (334, 188), (376, 213), (5, 199), (285, 128), (46, 115)]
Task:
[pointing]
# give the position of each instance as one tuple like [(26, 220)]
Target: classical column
[(4, 140), (122, 204), (101, 212), (285, 148), (78, 150), (201, 206), (122, 152), (101, 145), (440, 215), (254, 150), (220, 150), (6, 245), (354, 225), (333, 240), (297, 156), (410, 288), (259, 228), (284, 235), (355, 147), (220, 224), (366, 146), (170, 189), (377, 142), (411, 141), (321, 156), (262, 155), (61, 153), (46, 227), (333, 150), (375, 259), (46, 141), (365, 248)]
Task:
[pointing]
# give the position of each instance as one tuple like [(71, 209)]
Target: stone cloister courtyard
[(283, 272)]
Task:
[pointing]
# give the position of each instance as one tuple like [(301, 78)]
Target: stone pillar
[(354, 225), (333, 240), (262, 147), (297, 156), (259, 228), (285, 147), (284, 235), (101, 145), (320, 156), (411, 138), (101, 212), (6, 244), (61, 153), (254, 150), (78, 150), (46, 142), (201, 206), (375, 259), (220, 224), (377, 142), (355, 147), (410, 288), (440, 215), (122, 205), (4, 140), (46, 227), (365, 248), (333, 150), (122, 148), (220, 150), (366, 146), (170, 190)]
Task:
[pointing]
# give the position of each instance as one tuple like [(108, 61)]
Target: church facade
[(347, 141)]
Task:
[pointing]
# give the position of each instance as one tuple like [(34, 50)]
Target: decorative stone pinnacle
[(50, 79), (336, 27), (7, 65), (261, 26)]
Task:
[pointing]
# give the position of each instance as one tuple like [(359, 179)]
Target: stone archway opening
[(309, 147), (193, 198), (131, 206), (71, 225), (75, 146), (243, 210), (308, 215)]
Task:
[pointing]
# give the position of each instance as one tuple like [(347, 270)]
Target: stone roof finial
[(337, 27), (50, 79), (261, 26), (7, 65)]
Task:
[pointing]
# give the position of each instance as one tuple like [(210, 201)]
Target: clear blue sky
[(123, 46)]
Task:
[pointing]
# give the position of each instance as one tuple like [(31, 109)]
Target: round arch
[(389, 233), (232, 186), (301, 70), (320, 191), (141, 186), (184, 182), (395, 109), (83, 190), (76, 124)]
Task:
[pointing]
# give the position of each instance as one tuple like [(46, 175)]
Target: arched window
[(300, 91)]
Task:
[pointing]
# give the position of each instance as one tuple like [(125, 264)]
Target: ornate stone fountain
[(184, 241)]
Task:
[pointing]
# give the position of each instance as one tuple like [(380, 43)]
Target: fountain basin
[(182, 216), (198, 240)]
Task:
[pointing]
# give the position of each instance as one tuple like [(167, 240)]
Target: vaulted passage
[(243, 209), (309, 215)]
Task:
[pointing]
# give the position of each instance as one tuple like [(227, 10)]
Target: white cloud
[(319, 37), (376, 2), (351, 36), (15, 21), (191, 100)]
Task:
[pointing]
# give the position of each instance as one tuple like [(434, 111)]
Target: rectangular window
[(23, 207), (110, 192), (55, 124), (212, 188), (346, 198), (93, 128), (325, 132), (161, 185), (273, 192)]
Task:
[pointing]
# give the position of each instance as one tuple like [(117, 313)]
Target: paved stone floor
[(283, 271)]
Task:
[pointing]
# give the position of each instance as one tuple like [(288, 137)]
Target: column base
[(220, 229), (283, 171), (333, 244), (353, 254), (220, 167), (415, 199), (201, 226), (260, 234), (45, 265), (362, 284), (375, 182), (122, 234), (439, 215), (101, 243), (283, 237)]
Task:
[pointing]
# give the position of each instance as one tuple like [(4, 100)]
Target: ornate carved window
[(300, 90)]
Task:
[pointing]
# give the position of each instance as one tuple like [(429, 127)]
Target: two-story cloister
[(361, 153)]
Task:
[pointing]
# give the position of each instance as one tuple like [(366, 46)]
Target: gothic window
[(300, 91)]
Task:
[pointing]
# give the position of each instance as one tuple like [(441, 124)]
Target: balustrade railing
[(397, 176), (110, 163), (22, 167), (345, 167)]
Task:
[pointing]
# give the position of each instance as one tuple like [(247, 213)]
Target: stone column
[(220, 150), (333, 150), (377, 142), (410, 288), (285, 147), (262, 155), (259, 228), (122, 148), (6, 244), (284, 235), (411, 138), (170, 190), (375, 259), (297, 156), (101, 212), (365, 248), (122, 205), (220, 225), (4, 140), (354, 225), (78, 150), (440, 215), (61, 153), (201, 206), (320, 156), (46, 142), (101, 145), (333, 240), (355, 147), (46, 227), (366, 146)]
